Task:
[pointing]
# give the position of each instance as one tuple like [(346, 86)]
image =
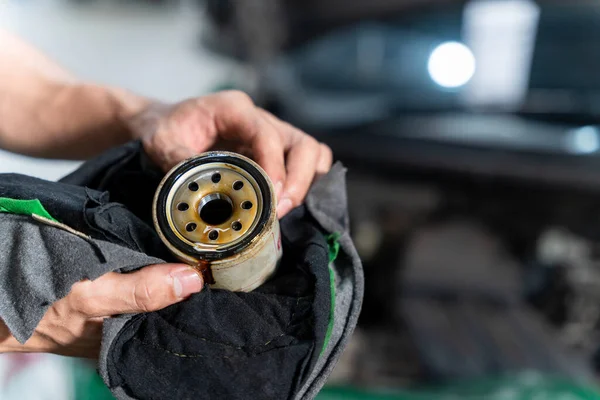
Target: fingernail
[(278, 187), (186, 281), (284, 206)]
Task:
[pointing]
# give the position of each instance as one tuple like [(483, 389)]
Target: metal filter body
[(217, 212)]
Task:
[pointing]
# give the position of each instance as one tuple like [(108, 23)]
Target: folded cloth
[(279, 341)]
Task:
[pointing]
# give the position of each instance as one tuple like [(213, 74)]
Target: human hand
[(231, 121), (73, 325)]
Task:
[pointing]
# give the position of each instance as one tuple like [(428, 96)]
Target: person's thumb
[(149, 289)]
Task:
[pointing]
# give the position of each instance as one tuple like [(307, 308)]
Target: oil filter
[(217, 212)]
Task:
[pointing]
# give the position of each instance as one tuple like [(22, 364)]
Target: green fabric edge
[(334, 249), (333, 245), (24, 207)]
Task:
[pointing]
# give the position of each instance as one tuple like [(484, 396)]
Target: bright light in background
[(451, 64), (584, 140), (502, 35)]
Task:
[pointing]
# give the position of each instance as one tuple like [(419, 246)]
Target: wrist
[(75, 121), (130, 111), (144, 126)]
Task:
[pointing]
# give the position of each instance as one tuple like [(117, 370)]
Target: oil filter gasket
[(217, 212)]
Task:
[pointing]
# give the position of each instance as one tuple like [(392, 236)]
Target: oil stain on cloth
[(279, 341)]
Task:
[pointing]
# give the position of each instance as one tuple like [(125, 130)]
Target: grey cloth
[(39, 262), (327, 203)]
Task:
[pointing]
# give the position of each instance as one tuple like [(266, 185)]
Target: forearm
[(72, 121), (45, 112)]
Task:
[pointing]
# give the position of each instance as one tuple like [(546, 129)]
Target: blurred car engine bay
[(470, 132)]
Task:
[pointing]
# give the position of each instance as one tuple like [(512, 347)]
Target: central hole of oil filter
[(215, 208)]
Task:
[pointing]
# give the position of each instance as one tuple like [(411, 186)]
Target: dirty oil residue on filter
[(217, 212)]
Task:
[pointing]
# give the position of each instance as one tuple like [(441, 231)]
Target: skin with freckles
[(47, 112)]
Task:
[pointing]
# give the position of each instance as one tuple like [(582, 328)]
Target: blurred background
[(470, 130)]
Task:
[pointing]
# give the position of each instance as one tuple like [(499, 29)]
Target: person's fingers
[(290, 136), (149, 289), (301, 168), (173, 155), (268, 152), (301, 151), (238, 119), (325, 160), (288, 133)]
